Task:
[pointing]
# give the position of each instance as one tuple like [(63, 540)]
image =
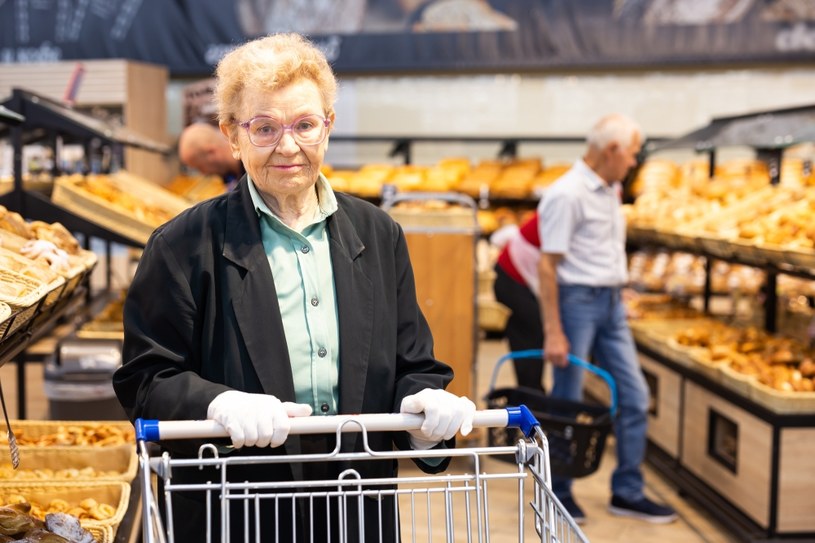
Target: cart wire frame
[(465, 488)]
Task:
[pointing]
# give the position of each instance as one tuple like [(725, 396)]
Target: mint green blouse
[(301, 267)]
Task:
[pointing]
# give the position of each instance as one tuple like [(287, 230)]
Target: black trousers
[(524, 328)]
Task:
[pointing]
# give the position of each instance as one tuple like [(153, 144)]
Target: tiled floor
[(693, 526)]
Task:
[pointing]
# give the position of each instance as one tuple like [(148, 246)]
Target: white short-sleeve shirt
[(581, 218)]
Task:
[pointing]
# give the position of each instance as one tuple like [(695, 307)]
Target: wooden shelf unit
[(135, 90)]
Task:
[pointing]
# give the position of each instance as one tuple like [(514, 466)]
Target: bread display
[(93, 434), (196, 188), (88, 508), (105, 188), (737, 212), (513, 178), (21, 521), (97, 507), (681, 273), (13, 222), (779, 362), (121, 202), (547, 176)]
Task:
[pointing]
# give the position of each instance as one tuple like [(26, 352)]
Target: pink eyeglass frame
[(286, 128)]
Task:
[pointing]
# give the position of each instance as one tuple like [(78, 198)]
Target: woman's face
[(287, 168)]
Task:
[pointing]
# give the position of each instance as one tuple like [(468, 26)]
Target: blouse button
[(322, 352), (324, 408), (304, 249)]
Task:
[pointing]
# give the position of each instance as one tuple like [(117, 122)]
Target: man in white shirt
[(582, 271)]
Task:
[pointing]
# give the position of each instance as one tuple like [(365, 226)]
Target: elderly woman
[(282, 299)]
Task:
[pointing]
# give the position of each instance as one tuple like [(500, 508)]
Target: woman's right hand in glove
[(255, 420)]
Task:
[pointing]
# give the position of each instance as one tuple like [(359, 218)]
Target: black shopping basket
[(576, 431)]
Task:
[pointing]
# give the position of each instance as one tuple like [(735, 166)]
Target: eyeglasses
[(267, 132)]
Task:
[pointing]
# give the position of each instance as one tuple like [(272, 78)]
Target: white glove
[(40, 248), (255, 420), (444, 415)]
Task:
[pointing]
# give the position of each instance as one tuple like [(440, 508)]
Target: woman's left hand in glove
[(445, 414)]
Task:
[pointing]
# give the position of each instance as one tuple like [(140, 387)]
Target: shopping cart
[(576, 431), (451, 506)]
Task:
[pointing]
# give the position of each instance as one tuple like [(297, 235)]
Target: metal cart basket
[(451, 506), (576, 431)]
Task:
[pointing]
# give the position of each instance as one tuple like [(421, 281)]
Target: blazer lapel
[(355, 303), (255, 302)]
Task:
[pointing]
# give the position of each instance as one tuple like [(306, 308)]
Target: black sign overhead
[(359, 36)]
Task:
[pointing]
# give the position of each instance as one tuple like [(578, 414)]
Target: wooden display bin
[(664, 411), (665, 387), (442, 252), (729, 449), (796, 479), (444, 267), (749, 461)]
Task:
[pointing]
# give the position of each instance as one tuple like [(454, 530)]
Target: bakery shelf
[(771, 466)]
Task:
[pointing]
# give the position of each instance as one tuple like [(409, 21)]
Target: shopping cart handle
[(154, 430), (538, 353)]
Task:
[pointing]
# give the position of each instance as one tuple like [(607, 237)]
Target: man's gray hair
[(613, 128)]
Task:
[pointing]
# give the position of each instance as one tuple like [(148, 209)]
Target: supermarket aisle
[(593, 492), (694, 525)]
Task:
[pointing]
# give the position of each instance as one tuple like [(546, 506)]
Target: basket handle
[(538, 353), (514, 417)]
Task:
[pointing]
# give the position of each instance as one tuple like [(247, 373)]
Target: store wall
[(667, 104)]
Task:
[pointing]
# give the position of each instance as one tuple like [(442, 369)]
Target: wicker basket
[(5, 318), (641, 234), (37, 429), (737, 381), (25, 305), (779, 401), (102, 534), (120, 463), (116, 494), (749, 252), (492, 315), (35, 269), (803, 258), (12, 241), (773, 254), (718, 247)]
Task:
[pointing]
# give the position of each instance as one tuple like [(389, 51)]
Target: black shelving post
[(772, 158), (771, 301), (708, 289), (509, 149), (402, 147)]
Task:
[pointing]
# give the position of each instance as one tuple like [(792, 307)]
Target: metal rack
[(49, 121), (769, 133), (31, 118), (695, 393)]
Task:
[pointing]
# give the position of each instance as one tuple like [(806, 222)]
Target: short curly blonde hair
[(271, 63)]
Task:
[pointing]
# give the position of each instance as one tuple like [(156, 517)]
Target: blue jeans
[(594, 322)]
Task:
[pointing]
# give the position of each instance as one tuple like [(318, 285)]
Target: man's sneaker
[(574, 510), (643, 509)]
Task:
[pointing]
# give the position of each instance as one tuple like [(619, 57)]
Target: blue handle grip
[(521, 417), (538, 353), (147, 430)]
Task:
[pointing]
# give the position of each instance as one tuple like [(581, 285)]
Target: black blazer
[(201, 317)]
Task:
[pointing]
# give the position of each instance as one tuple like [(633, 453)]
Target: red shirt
[(529, 231)]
